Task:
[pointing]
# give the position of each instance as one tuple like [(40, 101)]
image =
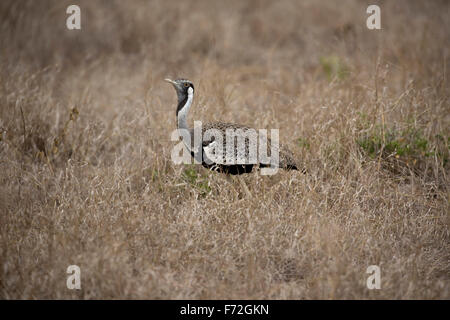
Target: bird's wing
[(245, 146), (241, 141)]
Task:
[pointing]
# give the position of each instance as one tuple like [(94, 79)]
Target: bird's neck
[(184, 104)]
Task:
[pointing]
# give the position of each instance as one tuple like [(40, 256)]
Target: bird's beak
[(170, 81)]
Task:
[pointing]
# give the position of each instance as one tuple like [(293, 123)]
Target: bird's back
[(245, 145)]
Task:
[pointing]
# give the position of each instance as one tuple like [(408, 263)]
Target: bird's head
[(183, 87)]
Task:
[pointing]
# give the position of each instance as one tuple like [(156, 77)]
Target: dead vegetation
[(87, 179)]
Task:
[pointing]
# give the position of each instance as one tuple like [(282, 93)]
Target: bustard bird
[(185, 93)]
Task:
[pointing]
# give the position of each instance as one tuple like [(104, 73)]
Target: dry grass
[(85, 169)]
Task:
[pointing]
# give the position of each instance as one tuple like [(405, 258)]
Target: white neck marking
[(182, 117), (183, 113)]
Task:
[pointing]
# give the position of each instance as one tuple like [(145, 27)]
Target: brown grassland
[(85, 152)]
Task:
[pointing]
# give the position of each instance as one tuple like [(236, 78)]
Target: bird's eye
[(186, 84)]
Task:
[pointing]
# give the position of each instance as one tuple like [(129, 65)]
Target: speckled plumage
[(221, 162)]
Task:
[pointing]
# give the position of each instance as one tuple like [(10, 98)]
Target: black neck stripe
[(181, 104)]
